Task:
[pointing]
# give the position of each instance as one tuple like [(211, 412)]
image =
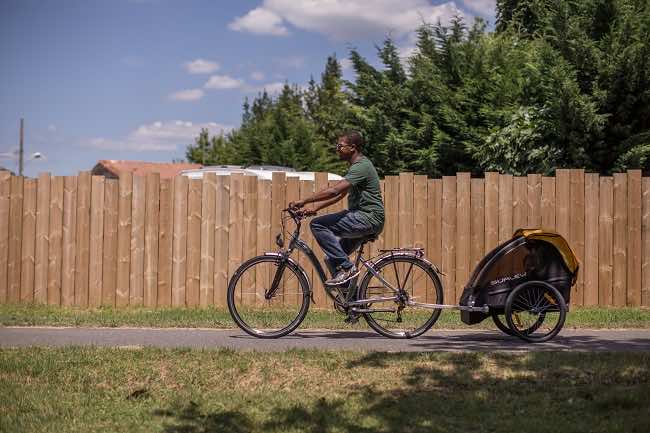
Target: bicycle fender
[(300, 269), (409, 254)]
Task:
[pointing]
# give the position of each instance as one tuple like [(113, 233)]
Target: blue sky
[(137, 79)]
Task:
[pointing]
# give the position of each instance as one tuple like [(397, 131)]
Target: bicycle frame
[(297, 243)]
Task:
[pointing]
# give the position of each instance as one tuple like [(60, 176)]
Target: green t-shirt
[(365, 194)]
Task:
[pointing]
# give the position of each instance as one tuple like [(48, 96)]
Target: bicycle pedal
[(351, 320)]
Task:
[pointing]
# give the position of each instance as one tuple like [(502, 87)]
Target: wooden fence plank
[(165, 242), (391, 238), (179, 252), (152, 218), (55, 240), (136, 270), (547, 203), (519, 202), (463, 231), (505, 207), (124, 240), (645, 234), (249, 247), (193, 276), (15, 238), (605, 241), (264, 235), (28, 242), (5, 194), (109, 260), (562, 202), (577, 228), (236, 237), (633, 238), (69, 239), (95, 268), (478, 223), (448, 252), (82, 258), (420, 231), (620, 240), (42, 238), (405, 215), (491, 210), (434, 223), (591, 239), (534, 200), (208, 220), (221, 239)]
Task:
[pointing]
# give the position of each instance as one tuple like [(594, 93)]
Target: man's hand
[(308, 212), (296, 204)]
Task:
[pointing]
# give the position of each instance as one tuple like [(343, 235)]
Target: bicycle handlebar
[(294, 213), (297, 214)]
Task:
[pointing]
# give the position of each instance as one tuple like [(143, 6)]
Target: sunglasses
[(339, 146)]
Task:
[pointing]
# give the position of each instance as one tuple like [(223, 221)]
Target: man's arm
[(329, 202), (328, 195)]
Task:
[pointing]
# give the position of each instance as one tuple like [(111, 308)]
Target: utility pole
[(20, 152)]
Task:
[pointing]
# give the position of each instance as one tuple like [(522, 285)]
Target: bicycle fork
[(270, 293)]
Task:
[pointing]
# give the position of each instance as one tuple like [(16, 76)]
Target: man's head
[(349, 144)]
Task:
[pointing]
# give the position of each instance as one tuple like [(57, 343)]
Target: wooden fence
[(89, 241)]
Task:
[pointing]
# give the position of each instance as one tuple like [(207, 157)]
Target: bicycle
[(268, 295)]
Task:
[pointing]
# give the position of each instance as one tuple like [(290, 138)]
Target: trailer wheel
[(535, 311)]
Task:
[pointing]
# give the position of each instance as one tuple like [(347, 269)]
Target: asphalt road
[(434, 340)]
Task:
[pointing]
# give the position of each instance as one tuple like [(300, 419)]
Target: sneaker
[(342, 276)]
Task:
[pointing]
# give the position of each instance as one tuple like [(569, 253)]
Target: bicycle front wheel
[(395, 318), (268, 297)]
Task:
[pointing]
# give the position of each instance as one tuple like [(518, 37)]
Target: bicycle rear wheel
[(395, 318), (260, 311)]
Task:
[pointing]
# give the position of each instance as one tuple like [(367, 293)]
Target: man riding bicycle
[(340, 233)]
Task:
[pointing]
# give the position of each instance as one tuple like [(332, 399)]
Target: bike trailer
[(531, 255)]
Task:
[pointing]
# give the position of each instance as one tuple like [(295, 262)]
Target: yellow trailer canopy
[(557, 240)]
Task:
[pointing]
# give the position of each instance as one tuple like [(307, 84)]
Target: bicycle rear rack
[(418, 252)]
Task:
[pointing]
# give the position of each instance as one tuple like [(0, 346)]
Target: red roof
[(108, 167)]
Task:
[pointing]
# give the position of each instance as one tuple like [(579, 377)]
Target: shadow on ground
[(542, 392)]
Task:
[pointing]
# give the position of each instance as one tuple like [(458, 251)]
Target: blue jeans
[(339, 234)]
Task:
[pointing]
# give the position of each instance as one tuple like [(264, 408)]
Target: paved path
[(434, 340)]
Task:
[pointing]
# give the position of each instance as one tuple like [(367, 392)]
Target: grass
[(43, 315), (143, 390)]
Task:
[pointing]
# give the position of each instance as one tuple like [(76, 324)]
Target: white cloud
[(51, 127), (157, 136), (346, 64), (345, 19), (260, 21), (201, 66), (11, 155), (221, 82), (486, 8), (187, 95), (257, 76)]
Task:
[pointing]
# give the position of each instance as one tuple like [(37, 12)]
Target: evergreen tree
[(559, 83)]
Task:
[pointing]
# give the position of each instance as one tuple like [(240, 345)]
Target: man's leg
[(328, 241), (330, 232)]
